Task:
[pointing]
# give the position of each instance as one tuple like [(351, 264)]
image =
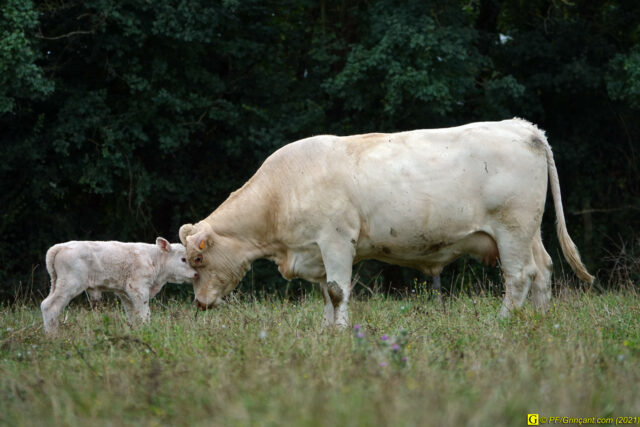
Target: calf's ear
[(163, 244), (185, 230)]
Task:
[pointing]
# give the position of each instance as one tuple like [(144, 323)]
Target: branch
[(594, 210), (63, 36)]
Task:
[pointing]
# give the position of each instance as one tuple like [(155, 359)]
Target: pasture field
[(266, 361)]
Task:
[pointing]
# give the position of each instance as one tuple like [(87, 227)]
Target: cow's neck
[(247, 220)]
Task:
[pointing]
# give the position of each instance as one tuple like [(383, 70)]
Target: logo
[(532, 420)]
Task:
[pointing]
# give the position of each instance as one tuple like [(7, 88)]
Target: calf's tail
[(50, 260), (569, 249)]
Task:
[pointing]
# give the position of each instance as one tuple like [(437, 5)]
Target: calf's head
[(219, 260), (174, 261)]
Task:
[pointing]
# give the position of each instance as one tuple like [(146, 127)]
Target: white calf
[(136, 272)]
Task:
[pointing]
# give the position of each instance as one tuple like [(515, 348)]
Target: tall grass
[(266, 361)]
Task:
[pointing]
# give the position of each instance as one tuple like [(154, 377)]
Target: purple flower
[(395, 347), (383, 364), (404, 359), (360, 335), (384, 338), (356, 327)]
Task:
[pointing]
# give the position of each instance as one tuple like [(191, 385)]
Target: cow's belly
[(431, 255)]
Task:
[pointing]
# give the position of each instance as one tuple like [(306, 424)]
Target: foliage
[(123, 120), (20, 76), (267, 362), (623, 80)]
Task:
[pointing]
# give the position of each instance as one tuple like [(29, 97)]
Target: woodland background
[(125, 119)]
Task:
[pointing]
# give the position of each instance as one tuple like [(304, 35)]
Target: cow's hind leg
[(541, 289), (519, 269), (337, 257)]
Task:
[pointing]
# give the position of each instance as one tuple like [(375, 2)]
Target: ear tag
[(201, 244)]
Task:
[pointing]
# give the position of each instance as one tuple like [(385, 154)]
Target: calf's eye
[(198, 258), (183, 259)]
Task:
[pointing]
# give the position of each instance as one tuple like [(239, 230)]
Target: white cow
[(136, 272), (419, 199)]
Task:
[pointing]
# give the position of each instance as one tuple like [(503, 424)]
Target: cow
[(136, 272), (419, 199)]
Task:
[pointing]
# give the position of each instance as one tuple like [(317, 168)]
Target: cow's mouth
[(203, 307)]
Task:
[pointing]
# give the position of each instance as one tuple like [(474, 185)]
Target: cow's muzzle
[(203, 307)]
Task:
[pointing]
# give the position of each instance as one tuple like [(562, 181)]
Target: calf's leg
[(95, 296), (135, 301), (57, 300)]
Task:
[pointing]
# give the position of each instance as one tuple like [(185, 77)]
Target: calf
[(134, 271)]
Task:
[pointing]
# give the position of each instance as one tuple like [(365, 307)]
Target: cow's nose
[(195, 276), (202, 306)]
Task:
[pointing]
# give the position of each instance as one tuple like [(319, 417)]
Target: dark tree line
[(124, 119)]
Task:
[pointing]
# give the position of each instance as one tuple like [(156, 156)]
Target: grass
[(267, 362)]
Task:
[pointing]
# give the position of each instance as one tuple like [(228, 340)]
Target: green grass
[(267, 362)]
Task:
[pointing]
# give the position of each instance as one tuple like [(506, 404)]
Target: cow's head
[(218, 260)]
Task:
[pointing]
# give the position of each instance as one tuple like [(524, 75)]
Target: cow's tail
[(569, 249), (50, 260)]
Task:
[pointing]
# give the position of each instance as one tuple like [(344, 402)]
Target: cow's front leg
[(338, 261), (328, 317)]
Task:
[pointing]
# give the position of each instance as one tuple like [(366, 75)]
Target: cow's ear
[(200, 240), (185, 230), (163, 244)]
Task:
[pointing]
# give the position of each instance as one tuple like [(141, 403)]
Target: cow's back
[(442, 182)]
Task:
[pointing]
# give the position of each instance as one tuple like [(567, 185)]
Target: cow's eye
[(198, 258), (183, 259)]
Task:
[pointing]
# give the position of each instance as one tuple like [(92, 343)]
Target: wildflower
[(360, 335), (395, 347), (556, 326), (384, 337), (262, 335), (404, 359), (356, 327), (383, 364)]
